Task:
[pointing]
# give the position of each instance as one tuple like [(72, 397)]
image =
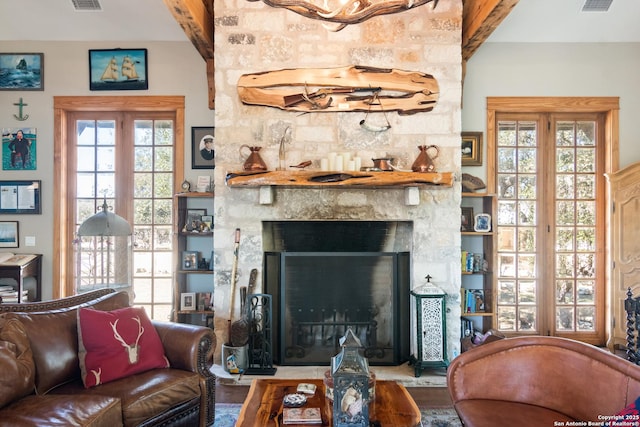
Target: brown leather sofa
[(540, 381), (39, 342)]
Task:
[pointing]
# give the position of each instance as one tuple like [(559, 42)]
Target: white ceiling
[(150, 20)]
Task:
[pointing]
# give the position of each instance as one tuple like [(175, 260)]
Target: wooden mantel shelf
[(323, 179)]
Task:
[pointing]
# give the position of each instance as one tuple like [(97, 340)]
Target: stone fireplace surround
[(251, 37)]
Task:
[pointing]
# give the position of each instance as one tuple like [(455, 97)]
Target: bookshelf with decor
[(192, 256), (477, 263)]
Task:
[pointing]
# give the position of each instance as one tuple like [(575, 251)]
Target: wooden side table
[(393, 405), (19, 270)]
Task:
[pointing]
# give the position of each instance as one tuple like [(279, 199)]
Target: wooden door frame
[(609, 107), (63, 262)]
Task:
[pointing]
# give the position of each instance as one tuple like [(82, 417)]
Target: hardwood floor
[(425, 397)]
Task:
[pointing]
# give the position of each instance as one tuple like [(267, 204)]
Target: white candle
[(324, 164), (332, 161), (358, 163), (351, 165), (339, 165), (346, 156)]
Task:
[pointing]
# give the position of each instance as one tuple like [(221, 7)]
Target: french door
[(128, 159), (550, 225)]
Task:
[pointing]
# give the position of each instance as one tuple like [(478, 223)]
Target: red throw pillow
[(116, 344)]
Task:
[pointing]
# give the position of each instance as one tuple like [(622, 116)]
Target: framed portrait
[(22, 71), (204, 301), (189, 260), (19, 149), (466, 219), (188, 301), (202, 152), (118, 69), (9, 236), (471, 148), (482, 223), (20, 197)]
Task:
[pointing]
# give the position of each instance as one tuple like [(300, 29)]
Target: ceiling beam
[(196, 19), (479, 19)]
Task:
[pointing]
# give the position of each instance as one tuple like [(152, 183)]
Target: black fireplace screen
[(319, 295)]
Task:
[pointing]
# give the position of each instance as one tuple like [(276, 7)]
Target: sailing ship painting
[(118, 69), (21, 71)]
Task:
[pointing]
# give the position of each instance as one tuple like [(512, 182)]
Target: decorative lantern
[(350, 372), (431, 313)]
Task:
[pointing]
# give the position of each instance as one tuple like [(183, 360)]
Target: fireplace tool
[(234, 270), (239, 335)]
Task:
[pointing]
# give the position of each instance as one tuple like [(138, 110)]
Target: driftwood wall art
[(351, 88), (342, 13)]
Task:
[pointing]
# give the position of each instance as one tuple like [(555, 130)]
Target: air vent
[(596, 5), (86, 5)]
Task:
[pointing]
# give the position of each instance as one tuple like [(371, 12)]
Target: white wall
[(554, 69), (174, 69)]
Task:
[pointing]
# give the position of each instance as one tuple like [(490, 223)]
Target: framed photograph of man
[(202, 152), (19, 149)]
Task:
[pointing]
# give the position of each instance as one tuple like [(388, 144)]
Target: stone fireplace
[(328, 276), (252, 37)]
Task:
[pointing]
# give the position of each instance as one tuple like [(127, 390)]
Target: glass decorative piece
[(350, 372)]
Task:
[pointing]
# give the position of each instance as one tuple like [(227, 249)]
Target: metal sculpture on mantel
[(342, 13)]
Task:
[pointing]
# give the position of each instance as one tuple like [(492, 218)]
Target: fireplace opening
[(328, 276)]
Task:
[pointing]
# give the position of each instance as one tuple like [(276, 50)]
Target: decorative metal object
[(259, 314), (431, 325), (105, 252), (350, 372)]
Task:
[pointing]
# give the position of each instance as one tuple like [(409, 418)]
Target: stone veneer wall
[(252, 37)]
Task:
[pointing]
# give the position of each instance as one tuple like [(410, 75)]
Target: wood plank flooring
[(425, 397)]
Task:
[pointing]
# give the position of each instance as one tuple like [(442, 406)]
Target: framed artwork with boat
[(21, 71), (118, 69)]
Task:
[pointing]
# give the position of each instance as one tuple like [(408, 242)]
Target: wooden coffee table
[(393, 405)]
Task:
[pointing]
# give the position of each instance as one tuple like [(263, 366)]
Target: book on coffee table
[(301, 416)]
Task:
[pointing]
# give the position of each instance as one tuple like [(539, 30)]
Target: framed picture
[(188, 301), (22, 71), (19, 149), (204, 301), (482, 223), (466, 220), (9, 236), (118, 69), (471, 148), (189, 260), (202, 153), (20, 197), (207, 222)]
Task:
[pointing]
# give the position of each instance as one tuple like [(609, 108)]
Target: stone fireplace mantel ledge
[(324, 179)]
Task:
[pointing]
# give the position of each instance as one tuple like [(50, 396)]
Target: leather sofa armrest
[(191, 347), (188, 347)]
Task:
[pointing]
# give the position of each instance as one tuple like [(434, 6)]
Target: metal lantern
[(104, 252), (350, 372), (431, 313)]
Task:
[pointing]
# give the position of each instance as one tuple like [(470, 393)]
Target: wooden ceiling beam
[(196, 19), (479, 19)]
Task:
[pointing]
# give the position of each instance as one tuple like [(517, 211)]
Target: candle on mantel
[(324, 164), (339, 163)]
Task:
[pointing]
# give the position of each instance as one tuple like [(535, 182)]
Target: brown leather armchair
[(538, 381)]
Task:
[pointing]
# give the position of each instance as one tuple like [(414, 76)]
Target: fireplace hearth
[(329, 276)]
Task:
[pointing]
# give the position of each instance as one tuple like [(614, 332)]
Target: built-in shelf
[(359, 179)]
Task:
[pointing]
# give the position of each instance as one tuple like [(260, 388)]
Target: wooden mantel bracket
[(324, 179)]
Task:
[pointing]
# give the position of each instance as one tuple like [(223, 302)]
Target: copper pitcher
[(252, 162), (424, 161)]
